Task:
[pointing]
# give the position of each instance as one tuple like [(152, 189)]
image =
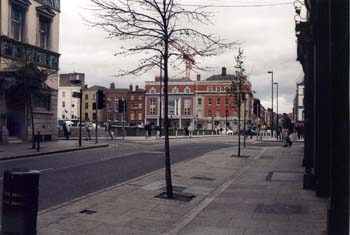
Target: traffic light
[(101, 99)]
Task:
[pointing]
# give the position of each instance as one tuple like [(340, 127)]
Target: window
[(226, 101), (209, 88), (63, 116), (63, 104), (139, 97), (132, 97), (93, 96), (199, 114), (140, 116), (86, 105), (209, 101), (152, 111), (187, 106), (94, 116), (217, 113), (94, 106), (73, 105), (140, 105), (86, 96), (63, 94), (199, 101), (17, 23), (132, 116), (86, 116), (152, 90), (44, 32), (152, 101), (209, 113), (187, 90), (218, 88), (227, 89), (218, 101), (175, 90)]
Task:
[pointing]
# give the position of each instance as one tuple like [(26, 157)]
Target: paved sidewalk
[(23, 150), (261, 194)]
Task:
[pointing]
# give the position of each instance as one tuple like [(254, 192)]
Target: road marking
[(47, 169)]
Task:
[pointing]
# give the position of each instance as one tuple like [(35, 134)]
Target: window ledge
[(42, 111)]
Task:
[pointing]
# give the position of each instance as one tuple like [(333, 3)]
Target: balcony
[(55, 4), (14, 50)]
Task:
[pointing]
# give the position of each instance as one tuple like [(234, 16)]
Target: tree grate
[(175, 188), (182, 197), (279, 209), (88, 212), (203, 178)]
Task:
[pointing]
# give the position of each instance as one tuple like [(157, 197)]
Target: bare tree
[(157, 29), (236, 91)]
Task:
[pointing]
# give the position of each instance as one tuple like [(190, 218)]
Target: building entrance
[(15, 115)]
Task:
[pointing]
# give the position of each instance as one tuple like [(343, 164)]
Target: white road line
[(47, 169)]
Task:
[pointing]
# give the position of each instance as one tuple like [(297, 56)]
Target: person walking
[(190, 131), (65, 130), (87, 130), (109, 131), (286, 130)]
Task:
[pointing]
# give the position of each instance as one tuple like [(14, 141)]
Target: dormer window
[(175, 90), (209, 88), (187, 90), (152, 90), (218, 89)]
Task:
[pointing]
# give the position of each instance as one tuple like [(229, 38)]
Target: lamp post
[(226, 103), (160, 98), (276, 83), (80, 96), (271, 72)]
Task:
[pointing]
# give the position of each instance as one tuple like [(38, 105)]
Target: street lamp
[(271, 72), (276, 83), (80, 96)]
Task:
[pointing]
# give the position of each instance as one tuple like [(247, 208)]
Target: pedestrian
[(87, 130), (190, 131), (149, 131), (221, 130), (286, 130), (146, 129), (65, 130), (186, 130), (109, 131), (158, 131)]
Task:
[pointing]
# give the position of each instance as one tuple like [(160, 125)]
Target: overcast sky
[(266, 34)]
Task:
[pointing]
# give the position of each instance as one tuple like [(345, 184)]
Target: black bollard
[(20, 202)]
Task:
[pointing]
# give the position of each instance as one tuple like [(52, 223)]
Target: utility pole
[(96, 128), (271, 72)]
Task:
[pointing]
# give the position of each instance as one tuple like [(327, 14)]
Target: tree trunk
[(169, 186)]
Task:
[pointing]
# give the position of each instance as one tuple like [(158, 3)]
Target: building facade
[(68, 107), (29, 61), (89, 105), (136, 106), (113, 95), (204, 104)]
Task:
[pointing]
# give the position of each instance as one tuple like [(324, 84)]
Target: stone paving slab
[(239, 200)]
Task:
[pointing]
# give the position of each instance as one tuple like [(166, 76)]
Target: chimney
[(198, 77), (136, 87), (86, 86), (130, 87), (112, 85), (223, 71)]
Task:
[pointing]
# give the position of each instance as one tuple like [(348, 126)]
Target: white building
[(68, 106)]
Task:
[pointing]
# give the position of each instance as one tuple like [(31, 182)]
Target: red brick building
[(204, 104), (136, 106), (113, 95)]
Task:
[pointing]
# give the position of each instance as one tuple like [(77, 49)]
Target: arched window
[(218, 88), (187, 90), (152, 90), (175, 90)]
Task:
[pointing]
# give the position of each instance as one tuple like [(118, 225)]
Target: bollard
[(20, 202)]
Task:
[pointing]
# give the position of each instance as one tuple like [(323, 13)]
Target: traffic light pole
[(96, 130), (124, 102)]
